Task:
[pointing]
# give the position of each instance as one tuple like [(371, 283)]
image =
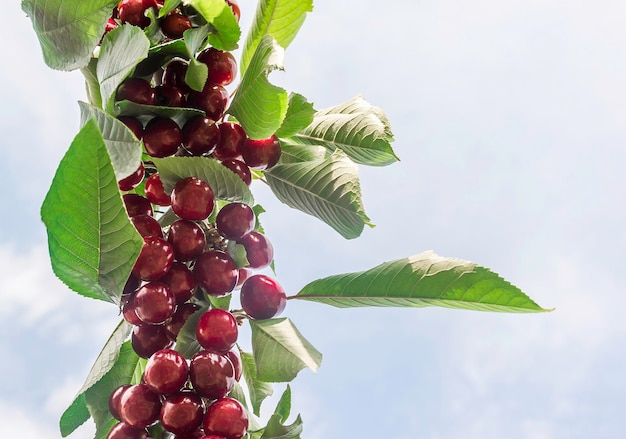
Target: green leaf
[(295, 153), (159, 55), (92, 243), (197, 72), (300, 114), (226, 32), (258, 390), (356, 127), (328, 189), (276, 430), (280, 351), (186, 342), (422, 280), (280, 19), (238, 253), (220, 302), (92, 85), (121, 50), (123, 147), (259, 106), (168, 6), (68, 31), (144, 113), (226, 184), (77, 413), (283, 408)]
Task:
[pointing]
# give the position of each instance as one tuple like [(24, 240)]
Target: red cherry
[(200, 135), (235, 7), (182, 412), (232, 139), (162, 137), (211, 374), (235, 220), (259, 250), (261, 154), (134, 11), (155, 192), (217, 330), (180, 281), (155, 259), (125, 431), (192, 199), (187, 240), (262, 297), (114, 400), (216, 272), (139, 406), (174, 24), (169, 96), (222, 66), (131, 182), (226, 417), (239, 168), (147, 226), (154, 303), (133, 124), (183, 312), (174, 75), (148, 339), (166, 372), (213, 100), (137, 90), (137, 205)]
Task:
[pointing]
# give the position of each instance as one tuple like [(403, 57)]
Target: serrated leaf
[(220, 302), (92, 243), (296, 153), (226, 184), (92, 86), (168, 6), (258, 390), (144, 113), (77, 413), (226, 32), (283, 408), (280, 351), (121, 50), (123, 147), (186, 342), (328, 189), (280, 19), (300, 114), (276, 430), (197, 72), (356, 127), (238, 254), (422, 280), (259, 106), (68, 31), (159, 55)]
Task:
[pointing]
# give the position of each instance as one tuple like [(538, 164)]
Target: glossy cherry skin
[(213, 100), (192, 199), (166, 372), (232, 139), (235, 358), (226, 417), (162, 137), (187, 240), (169, 96), (239, 168), (114, 400), (147, 225), (125, 431), (235, 7), (137, 205), (262, 297), (155, 259), (200, 135), (180, 281), (259, 250), (131, 182), (196, 434), (155, 192), (173, 25), (216, 272), (139, 406), (222, 66), (217, 330), (129, 313), (261, 154), (182, 412), (137, 90), (174, 75), (183, 312), (235, 220), (211, 374), (134, 11), (148, 339), (154, 303), (132, 124)]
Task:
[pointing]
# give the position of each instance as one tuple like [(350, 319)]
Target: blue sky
[(510, 120)]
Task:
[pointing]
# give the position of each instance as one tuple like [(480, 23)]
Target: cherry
[(261, 154), (129, 287), (125, 431), (148, 339), (232, 138), (137, 205), (137, 90), (183, 312), (235, 220), (111, 24), (226, 417), (147, 225), (173, 25), (262, 297), (174, 75), (212, 100), (154, 303), (162, 137), (217, 330), (235, 7), (134, 11), (187, 240), (259, 250), (131, 182), (133, 124), (169, 96), (139, 406), (180, 281), (155, 259), (235, 358), (155, 192), (244, 274), (196, 434), (239, 168), (222, 66), (211, 374), (114, 400), (182, 412), (200, 135), (216, 272), (129, 313), (166, 372), (192, 199)]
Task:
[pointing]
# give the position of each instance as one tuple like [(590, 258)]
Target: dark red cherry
[(174, 24), (155, 259), (192, 199), (125, 431), (139, 406), (244, 274), (226, 417), (222, 66), (232, 139), (166, 372), (137, 205), (216, 272), (162, 137), (211, 374), (182, 412), (196, 434), (147, 225), (174, 75), (137, 90), (133, 124), (169, 96), (180, 281), (114, 400), (213, 100), (187, 240), (148, 339), (134, 11), (154, 303), (129, 313), (262, 297), (200, 135), (259, 250), (235, 220), (261, 154), (217, 330), (239, 168), (131, 182), (155, 192), (235, 357), (183, 312)]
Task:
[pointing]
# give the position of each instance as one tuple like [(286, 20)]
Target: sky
[(510, 122)]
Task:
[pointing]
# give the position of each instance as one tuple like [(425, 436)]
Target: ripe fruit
[(262, 297), (114, 400), (130, 182), (226, 417), (139, 406), (166, 372), (125, 431), (235, 358), (137, 90), (133, 124), (148, 339), (261, 154), (259, 250), (192, 199), (154, 303), (200, 135), (173, 25), (212, 100), (235, 220), (162, 137), (134, 11), (187, 240), (216, 272), (211, 374), (174, 75), (217, 330), (183, 312), (147, 225), (222, 66), (182, 412), (155, 259), (232, 139), (137, 205), (155, 192), (169, 96), (239, 168), (180, 281)]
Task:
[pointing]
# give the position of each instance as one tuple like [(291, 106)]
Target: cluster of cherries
[(183, 263)]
